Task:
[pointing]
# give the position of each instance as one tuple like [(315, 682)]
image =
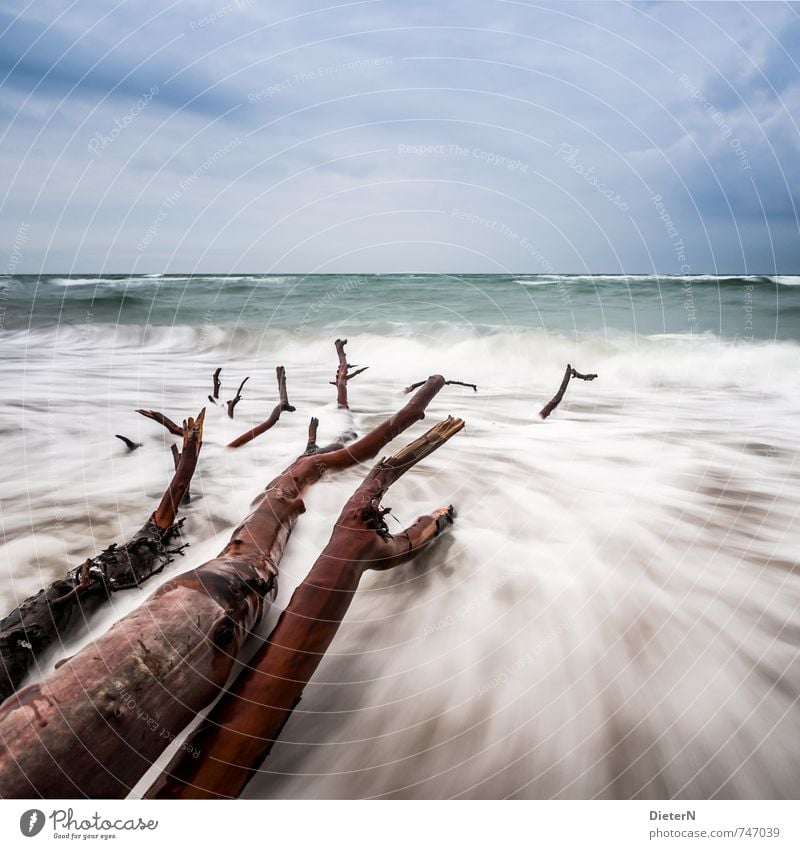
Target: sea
[(616, 611)]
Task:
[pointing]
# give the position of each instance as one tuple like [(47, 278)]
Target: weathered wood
[(229, 746), (175, 430), (283, 406), (57, 612), (234, 401), (97, 723), (409, 389), (556, 399), (217, 383), (129, 443), (344, 373), (311, 444)]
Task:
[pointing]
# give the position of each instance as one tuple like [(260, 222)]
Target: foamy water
[(614, 614)]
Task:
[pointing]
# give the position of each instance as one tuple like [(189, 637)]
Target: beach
[(614, 614)]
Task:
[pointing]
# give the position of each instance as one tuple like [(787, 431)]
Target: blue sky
[(387, 136)]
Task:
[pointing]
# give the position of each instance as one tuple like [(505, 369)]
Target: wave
[(499, 359), (619, 589), (682, 279)]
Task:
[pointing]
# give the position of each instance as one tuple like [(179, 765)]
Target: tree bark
[(95, 725), (57, 612), (229, 746)]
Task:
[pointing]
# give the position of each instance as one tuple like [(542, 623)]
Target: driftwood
[(556, 399), (174, 429), (409, 389), (234, 401), (217, 385), (283, 406), (47, 618), (96, 724), (129, 443), (226, 750), (344, 373)]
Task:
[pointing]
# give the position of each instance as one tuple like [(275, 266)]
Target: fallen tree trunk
[(283, 406), (57, 612), (95, 725), (229, 746), (556, 399)]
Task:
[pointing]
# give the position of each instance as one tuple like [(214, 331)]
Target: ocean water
[(615, 613)]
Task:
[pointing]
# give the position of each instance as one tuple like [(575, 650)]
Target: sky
[(498, 136)]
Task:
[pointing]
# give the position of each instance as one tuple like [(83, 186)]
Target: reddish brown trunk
[(94, 726), (226, 750)]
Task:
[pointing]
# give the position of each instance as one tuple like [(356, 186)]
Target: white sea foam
[(614, 614)]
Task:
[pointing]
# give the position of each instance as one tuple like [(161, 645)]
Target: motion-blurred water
[(615, 613)]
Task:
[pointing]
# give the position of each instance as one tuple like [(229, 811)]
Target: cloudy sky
[(379, 135)]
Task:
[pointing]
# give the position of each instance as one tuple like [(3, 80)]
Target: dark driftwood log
[(175, 430), (283, 406), (217, 383), (229, 746), (95, 725), (234, 401), (556, 400), (55, 613)]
